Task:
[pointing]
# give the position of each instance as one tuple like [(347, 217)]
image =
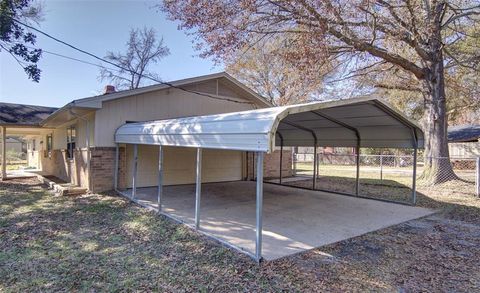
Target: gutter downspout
[(87, 142)]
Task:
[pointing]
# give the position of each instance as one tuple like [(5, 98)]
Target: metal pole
[(294, 161), (247, 177), (414, 177), (198, 191), (381, 167), (259, 208), (253, 166), (314, 167), (160, 178), (478, 176), (318, 165), (134, 175), (115, 173), (4, 153), (357, 175), (281, 165)]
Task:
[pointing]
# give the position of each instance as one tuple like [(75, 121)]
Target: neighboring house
[(76, 142), (15, 144), (464, 141)]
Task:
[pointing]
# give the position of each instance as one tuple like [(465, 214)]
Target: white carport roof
[(340, 123)]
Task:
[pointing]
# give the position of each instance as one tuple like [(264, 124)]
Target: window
[(49, 145), (71, 138), (34, 143)]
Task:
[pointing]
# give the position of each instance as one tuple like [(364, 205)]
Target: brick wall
[(70, 170), (271, 164), (102, 166)]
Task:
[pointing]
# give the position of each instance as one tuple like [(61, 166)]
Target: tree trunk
[(438, 168)]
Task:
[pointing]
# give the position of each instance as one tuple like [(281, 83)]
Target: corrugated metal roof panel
[(332, 123)]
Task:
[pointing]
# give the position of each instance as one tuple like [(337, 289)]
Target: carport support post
[(259, 208), (160, 178), (4, 153), (477, 181), (281, 159), (414, 177), (134, 176), (115, 173), (357, 175), (314, 167), (198, 190)]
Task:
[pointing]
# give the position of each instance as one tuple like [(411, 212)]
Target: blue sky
[(97, 27)]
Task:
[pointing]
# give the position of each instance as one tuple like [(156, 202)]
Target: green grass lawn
[(396, 182), (96, 243)]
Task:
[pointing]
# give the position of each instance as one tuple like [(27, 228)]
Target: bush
[(13, 156)]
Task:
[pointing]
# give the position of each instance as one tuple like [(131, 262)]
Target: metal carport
[(359, 122)]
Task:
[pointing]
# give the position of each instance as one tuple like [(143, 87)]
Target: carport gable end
[(378, 124)]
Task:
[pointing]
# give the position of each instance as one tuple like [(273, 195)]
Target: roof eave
[(96, 101), (67, 107)]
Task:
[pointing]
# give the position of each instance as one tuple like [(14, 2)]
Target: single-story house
[(464, 141), (76, 142), (15, 144), (169, 145)]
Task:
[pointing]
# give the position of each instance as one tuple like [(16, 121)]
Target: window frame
[(71, 141), (49, 144)]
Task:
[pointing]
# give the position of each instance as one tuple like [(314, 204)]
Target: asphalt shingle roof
[(23, 114), (463, 133)]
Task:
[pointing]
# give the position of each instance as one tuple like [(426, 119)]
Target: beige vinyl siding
[(179, 164), (162, 104), (60, 133)]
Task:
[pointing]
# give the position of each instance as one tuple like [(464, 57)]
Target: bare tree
[(143, 50), (263, 68), (416, 37)]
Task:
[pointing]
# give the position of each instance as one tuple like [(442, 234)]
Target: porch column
[(414, 177), (160, 178), (115, 174), (259, 207), (134, 172), (198, 190), (4, 153)]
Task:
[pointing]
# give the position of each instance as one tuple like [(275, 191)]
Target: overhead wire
[(121, 67)]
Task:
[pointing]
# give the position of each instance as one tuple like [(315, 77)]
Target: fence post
[(477, 181)]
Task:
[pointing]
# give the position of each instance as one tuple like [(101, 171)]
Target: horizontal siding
[(162, 104), (179, 165)]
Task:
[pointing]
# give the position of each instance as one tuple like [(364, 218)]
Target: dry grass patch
[(104, 243)]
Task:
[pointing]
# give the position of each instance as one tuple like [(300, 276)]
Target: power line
[(73, 58), (125, 69)]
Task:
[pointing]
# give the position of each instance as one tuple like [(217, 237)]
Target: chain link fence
[(387, 176)]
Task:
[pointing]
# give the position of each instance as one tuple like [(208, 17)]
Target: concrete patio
[(294, 220)]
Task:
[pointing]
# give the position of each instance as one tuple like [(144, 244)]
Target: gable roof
[(464, 133), (11, 139), (95, 101), (27, 115)]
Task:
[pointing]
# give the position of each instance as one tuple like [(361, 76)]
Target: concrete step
[(62, 188)]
